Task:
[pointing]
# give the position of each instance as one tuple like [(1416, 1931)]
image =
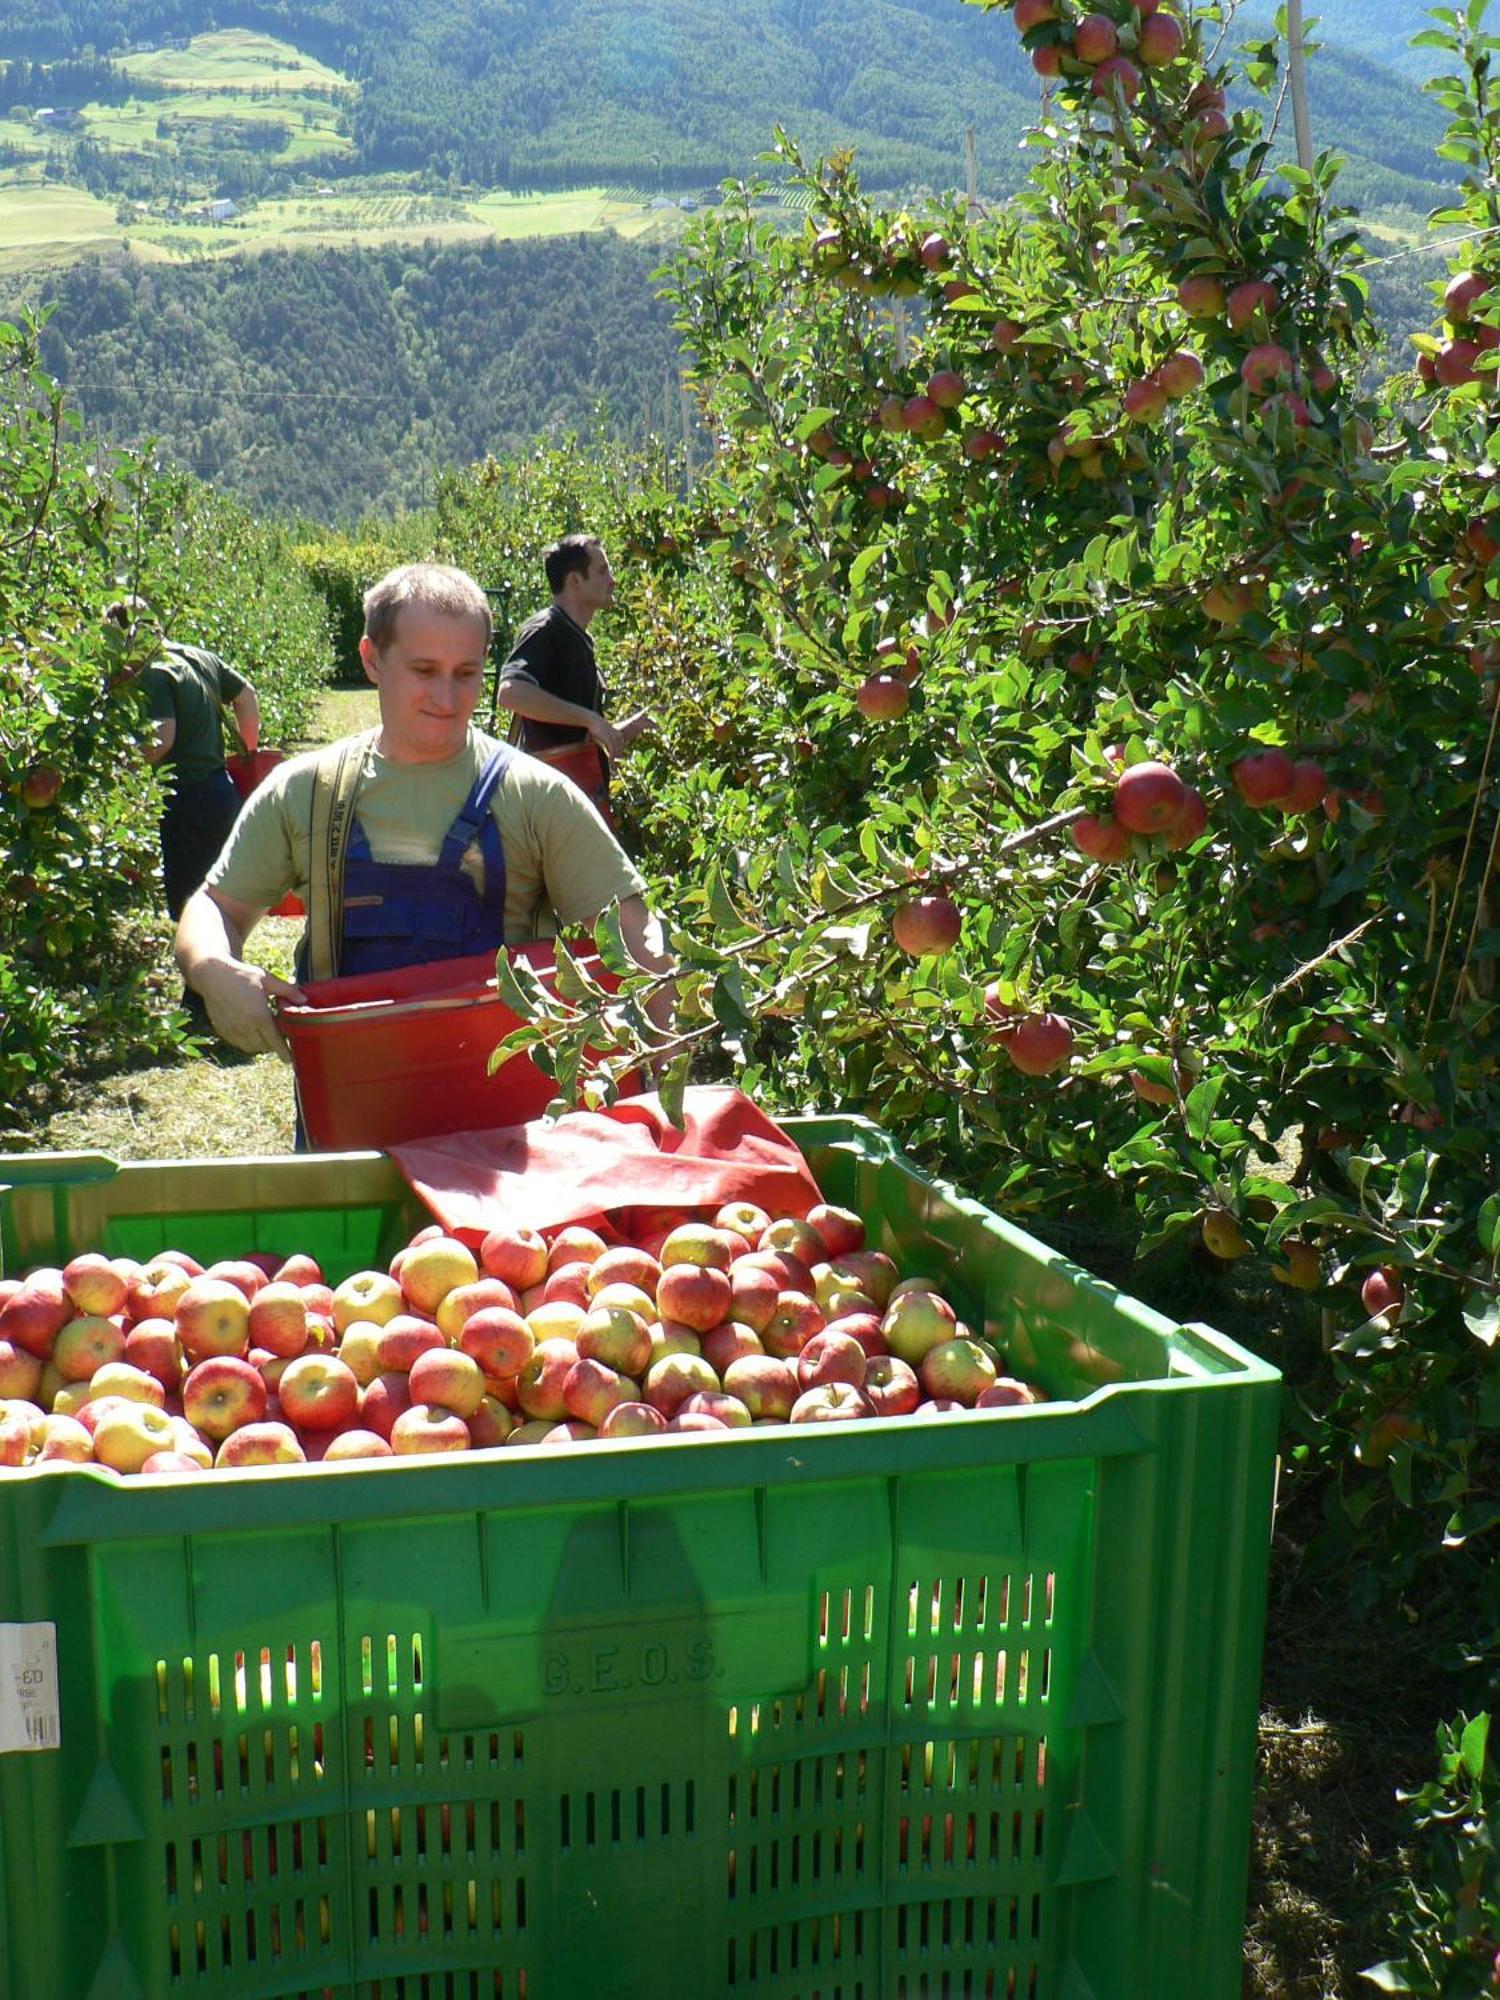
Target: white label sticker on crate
[(29, 1718)]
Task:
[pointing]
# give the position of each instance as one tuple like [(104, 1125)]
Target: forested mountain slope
[(330, 383)]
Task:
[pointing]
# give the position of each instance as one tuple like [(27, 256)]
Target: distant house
[(662, 201), (217, 211), (62, 118)]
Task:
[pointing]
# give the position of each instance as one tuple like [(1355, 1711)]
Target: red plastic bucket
[(247, 770), (584, 767), (384, 1057)]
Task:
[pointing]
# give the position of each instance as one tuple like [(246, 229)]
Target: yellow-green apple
[(15, 1436), (536, 1430), (356, 1444), (213, 1317), (126, 1434), (753, 1292), (743, 1219), (890, 1386), (403, 1338), (916, 1323), (1201, 296), (631, 1297), (576, 1243), (867, 1271), (367, 1295), (278, 1318), (298, 1269), (1382, 1294), (699, 1246), (796, 1319), (359, 1350), (830, 1403), (32, 1317), (837, 1296), (261, 1443), (318, 1392), (1148, 797), (172, 1463), (188, 1441), (555, 1319), (464, 1300), (726, 1343), (1006, 1393), (152, 1344), (1223, 1236), (1301, 1266), (696, 1295), (540, 1378), (795, 1236), (85, 1344), (500, 1342), (239, 1272), (428, 1428), (223, 1394), (68, 1398), (958, 1370), (564, 1281), (632, 1420), (624, 1264), (831, 1357), (121, 1378), (384, 1400), (431, 1270), (616, 1336), (668, 1337), (840, 1229), (20, 1372), (491, 1424), (94, 1285), (516, 1254), (65, 1440), (728, 1409), (592, 1389), (449, 1377), (1262, 777), (671, 1380)]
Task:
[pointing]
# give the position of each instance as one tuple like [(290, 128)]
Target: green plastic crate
[(938, 1707)]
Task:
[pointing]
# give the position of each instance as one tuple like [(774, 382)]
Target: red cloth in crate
[(544, 1175)]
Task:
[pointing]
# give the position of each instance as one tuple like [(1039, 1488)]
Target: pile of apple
[(677, 1324)]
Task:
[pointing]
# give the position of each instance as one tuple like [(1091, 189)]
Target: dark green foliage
[(332, 382)]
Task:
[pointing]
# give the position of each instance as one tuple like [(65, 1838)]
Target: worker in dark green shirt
[(189, 692)]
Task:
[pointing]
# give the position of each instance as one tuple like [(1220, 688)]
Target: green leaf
[(864, 562), (1474, 1743), (520, 989), (1483, 1320), (571, 981), (1200, 1106), (721, 905), (730, 1008), (671, 1087), (1488, 1226), (614, 954), (813, 421)]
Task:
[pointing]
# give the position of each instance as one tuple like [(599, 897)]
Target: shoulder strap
[(335, 785), (475, 809)]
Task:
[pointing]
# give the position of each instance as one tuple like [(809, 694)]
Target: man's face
[(598, 582), (429, 675)]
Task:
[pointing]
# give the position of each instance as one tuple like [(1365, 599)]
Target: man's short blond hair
[(433, 586)]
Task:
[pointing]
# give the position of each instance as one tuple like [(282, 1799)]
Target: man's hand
[(639, 724), (613, 742), (238, 998)]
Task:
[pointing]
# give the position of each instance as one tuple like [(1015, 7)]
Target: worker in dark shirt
[(189, 693), (551, 683)]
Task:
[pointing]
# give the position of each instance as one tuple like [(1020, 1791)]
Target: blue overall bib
[(398, 913)]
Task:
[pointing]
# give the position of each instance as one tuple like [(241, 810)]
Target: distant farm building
[(216, 211)]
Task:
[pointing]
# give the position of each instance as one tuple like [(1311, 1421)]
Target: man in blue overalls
[(424, 839)]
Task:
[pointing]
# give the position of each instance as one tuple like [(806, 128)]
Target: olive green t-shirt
[(562, 863), (191, 687)]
